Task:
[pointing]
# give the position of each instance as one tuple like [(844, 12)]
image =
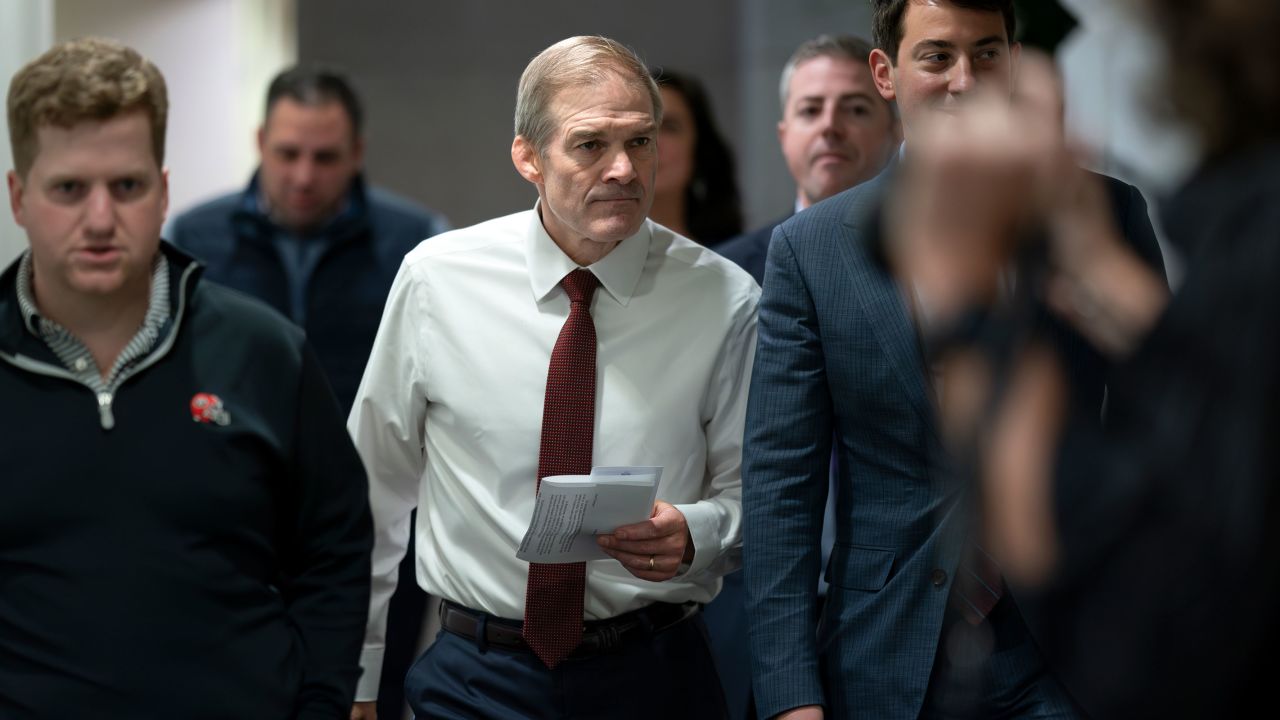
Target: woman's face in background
[(676, 141)]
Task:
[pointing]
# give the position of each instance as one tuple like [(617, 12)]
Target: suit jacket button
[(938, 578)]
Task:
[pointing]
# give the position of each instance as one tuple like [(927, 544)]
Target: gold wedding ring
[(650, 562)]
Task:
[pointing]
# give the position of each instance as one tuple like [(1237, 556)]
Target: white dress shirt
[(449, 413)]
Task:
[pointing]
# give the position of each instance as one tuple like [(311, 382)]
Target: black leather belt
[(597, 635)]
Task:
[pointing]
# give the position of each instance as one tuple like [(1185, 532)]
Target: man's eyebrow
[(860, 95), (842, 97), (931, 44), (58, 178), (935, 44), (577, 136), (586, 134)]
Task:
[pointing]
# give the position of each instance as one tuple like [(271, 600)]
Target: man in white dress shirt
[(459, 415)]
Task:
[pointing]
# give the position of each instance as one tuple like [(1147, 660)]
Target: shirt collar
[(26, 300), (618, 272), (158, 304)]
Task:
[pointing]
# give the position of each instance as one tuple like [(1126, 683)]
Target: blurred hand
[(1017, 447), (969, 185), (976, 183), (1021, 453), (972, 185), (1098, 285), (364, 711), (653, 549)]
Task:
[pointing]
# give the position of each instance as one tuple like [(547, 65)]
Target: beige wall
[(216, 56), (26, 28)]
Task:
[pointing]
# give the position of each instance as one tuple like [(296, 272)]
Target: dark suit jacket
[(749, 249), (837, 356)]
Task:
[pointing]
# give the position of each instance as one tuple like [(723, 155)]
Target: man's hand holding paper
[(653, 549), (572, 510)]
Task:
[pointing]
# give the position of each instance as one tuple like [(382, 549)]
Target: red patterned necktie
[(979, 585), (554, 594)]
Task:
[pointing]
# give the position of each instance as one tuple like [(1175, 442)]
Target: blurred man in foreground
[(1153, 543), (917, 622)]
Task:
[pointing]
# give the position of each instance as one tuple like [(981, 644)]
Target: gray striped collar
[(71, 351)]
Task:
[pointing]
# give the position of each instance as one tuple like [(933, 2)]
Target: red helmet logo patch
[(207, 408)]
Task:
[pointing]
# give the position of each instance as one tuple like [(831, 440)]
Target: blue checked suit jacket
[(838, 361)]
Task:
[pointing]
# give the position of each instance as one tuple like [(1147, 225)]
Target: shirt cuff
[(704, 526), (370, 674)]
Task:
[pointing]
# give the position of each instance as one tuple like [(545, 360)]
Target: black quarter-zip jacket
[(203, 555)]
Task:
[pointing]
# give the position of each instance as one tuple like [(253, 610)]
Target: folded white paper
[(573, 509)]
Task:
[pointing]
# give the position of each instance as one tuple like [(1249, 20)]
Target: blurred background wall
[(216, 55), (439, 80), (26, 28)]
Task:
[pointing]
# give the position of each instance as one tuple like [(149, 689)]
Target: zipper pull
[(104, 411)]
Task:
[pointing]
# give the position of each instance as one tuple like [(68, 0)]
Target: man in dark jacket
[(184, 523), (309, 238)]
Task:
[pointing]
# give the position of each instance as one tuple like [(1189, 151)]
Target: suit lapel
[(883, 304)]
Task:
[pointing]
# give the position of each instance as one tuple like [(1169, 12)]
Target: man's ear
[(164, 188), (15, 197), (882, 74), (526, 159), (262, 138)]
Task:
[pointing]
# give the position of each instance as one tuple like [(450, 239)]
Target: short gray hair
[(577, 60), (842, 47)]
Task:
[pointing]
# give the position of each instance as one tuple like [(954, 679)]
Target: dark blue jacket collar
[(249, 219)]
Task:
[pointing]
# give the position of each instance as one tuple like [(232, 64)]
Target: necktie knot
[(580, 285)]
